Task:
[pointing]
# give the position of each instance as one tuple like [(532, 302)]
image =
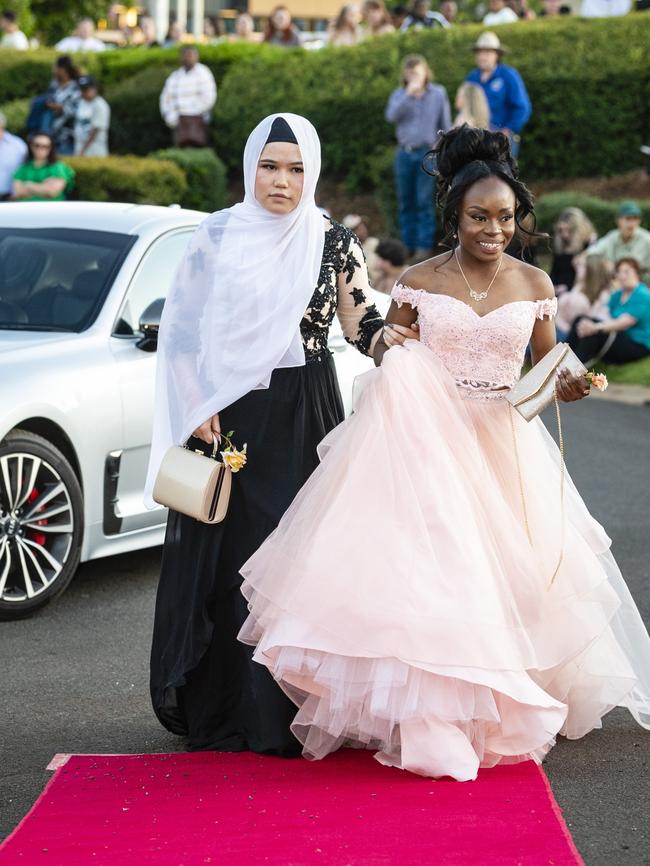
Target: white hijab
[(233, 313)]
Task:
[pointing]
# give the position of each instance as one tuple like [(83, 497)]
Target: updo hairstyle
[(468, 154)]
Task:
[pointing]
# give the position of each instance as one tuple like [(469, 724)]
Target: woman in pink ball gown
[(410, 601)]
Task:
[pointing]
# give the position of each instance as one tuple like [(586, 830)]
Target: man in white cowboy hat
[(504, 88)]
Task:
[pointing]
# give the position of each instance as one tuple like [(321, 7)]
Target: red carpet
[(246, 810)]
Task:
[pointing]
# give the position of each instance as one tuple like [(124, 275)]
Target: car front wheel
[(41, 523)]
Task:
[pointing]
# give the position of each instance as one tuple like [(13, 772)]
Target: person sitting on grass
[(589, 296), (43, 176), (573, 232), (625, 335)]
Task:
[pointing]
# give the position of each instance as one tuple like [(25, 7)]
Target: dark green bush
[(116, 66), (601, 213), (25, 74), (135, 78), (205, 174), (131, 78), (16, 113), (136, 124), (588, 81), (129, 179)]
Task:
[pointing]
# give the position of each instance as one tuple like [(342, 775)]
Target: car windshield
[(56, 279)]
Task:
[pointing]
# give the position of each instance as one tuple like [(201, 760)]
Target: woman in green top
[(625, 336), (42, 177)]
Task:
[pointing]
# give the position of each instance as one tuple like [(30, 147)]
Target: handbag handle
[(216, 440), (562, 473)]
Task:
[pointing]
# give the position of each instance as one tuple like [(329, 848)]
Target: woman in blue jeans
[(419, 109)]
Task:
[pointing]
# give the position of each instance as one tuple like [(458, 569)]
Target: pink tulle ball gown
[(400, 602)]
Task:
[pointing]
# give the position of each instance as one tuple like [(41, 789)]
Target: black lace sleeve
[(360, 319)]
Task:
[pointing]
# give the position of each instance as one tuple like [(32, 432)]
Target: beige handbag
[(530, 396), (536, 390), (194, 484)]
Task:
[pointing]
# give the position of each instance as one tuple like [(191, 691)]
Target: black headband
[(281, 131)]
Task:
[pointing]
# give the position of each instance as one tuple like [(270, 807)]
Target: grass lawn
[(635, 373)]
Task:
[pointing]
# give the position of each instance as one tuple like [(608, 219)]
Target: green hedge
[(135, 78), (136, 124), (632, 373), (131, 78), (128, 179), (16, 113), (27, 73), (205, 174), (601, 213), (588, 81)]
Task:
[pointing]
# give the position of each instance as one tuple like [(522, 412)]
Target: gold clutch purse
[(536, 390), (194, 484)]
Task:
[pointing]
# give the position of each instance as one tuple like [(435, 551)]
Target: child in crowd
[(92, 121), (472, 106)]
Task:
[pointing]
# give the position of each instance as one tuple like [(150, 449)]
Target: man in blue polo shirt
[(504, 88)]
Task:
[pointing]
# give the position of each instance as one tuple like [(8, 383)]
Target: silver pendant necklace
[(477, 296)]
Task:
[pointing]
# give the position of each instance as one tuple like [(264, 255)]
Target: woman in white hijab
[(243, 347)]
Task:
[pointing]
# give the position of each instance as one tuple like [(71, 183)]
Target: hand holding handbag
[(194, 484), (536, 390), (530, 396)]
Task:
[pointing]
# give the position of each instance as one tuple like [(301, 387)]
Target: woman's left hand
[(570, 388), (395, 335)]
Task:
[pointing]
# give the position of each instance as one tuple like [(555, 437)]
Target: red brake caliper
[(37, 537)]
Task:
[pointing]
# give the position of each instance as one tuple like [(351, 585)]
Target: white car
[(79, 283)]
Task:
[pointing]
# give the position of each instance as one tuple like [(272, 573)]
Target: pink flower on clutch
[(598, 380)]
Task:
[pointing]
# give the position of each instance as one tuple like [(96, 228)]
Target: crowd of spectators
[(603, 301), (354, 22), (493, 95)]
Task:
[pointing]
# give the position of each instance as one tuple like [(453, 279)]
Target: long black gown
[(204, 684)]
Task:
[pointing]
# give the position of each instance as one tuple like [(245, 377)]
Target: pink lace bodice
[(483, 353)]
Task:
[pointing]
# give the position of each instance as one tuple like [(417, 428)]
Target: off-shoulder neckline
[(467, 306)]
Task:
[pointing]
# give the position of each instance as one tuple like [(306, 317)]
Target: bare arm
[(569, 388), (91, 137), (403, 317), (50, 188), (609, 326)]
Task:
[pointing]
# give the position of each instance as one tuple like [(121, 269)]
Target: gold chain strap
[(521, 483)]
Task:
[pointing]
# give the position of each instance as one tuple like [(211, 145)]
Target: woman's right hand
[(208, 430)]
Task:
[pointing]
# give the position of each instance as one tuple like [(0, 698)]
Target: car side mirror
[(149, 324)]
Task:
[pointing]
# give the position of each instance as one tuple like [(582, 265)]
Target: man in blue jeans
[(419, 109), (506, 93)]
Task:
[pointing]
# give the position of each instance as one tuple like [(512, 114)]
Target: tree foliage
[(55, 19)]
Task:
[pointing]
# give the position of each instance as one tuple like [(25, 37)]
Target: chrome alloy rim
[(36, 526)]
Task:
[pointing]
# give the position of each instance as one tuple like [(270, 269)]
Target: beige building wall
[(298, 8)]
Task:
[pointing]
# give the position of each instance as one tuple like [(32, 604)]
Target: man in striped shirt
[(187, 99)]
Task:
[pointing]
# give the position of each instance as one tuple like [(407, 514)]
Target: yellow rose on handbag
[(198, 485)]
